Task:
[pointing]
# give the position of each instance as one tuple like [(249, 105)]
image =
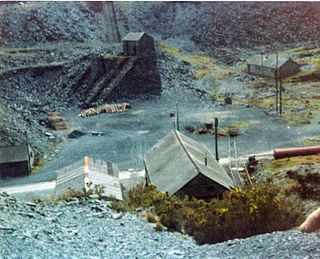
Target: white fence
[(100, 172)]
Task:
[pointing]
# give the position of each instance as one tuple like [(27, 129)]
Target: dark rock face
[(55, 22), (220, 24), (143, 78), (233, 24)]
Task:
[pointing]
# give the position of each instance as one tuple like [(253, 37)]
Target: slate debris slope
[(87, 227)]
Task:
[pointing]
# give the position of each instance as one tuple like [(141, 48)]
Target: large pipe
[(299, 151)]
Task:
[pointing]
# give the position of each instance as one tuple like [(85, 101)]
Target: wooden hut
[(268, 65), (138, 44), (15, 160), (179, 165)]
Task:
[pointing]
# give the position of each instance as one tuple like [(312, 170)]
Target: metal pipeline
[(298, 151)]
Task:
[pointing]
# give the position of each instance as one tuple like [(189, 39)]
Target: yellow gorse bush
[(241, 213)]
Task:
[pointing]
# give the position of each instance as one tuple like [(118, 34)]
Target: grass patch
[(296, 118), (201, 72), (311, 60), (38, 165), (311, 141), (202, 65), (275, 166), (241, 124), (260, 103)]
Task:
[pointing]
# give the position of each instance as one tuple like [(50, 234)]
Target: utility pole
[(216, 137), (27, 143), (276, 75), (280, 92), (261, 54), (280, 96), (178, 128)]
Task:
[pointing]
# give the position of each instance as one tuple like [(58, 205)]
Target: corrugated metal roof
[(268, 60), (107, 174), (13, 154), (177, 159), (106, 167), (133, 36), (100, 173)]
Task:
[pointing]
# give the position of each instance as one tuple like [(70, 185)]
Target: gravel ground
[(88, 228)]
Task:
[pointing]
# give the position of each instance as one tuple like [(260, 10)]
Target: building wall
[(289, 68), (145, 46), (14, 169), (261, 70), (202, 187), (129, 48)]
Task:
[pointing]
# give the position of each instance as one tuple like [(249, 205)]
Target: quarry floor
[(130, 134)]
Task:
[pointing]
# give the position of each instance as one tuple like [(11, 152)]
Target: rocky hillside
[(51, 51), (224, 24), (36, 23), (87, 227), (220, 24)]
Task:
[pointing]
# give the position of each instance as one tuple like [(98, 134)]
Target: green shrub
[(241, 213), (145, 197), (245, 212)]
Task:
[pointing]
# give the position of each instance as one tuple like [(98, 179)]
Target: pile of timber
[(56, 121), (105, 108)]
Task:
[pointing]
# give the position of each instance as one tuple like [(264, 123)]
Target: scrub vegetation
[(242, 212)]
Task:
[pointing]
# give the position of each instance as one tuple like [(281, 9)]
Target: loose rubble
[(88, 227)]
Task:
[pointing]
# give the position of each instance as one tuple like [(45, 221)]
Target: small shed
[(15, 160), (267, 65), (138, 44), (179, 165)]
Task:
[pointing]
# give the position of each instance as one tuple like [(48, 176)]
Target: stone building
[(15, 160), (138, 44), (179, 165), (266, 66)]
